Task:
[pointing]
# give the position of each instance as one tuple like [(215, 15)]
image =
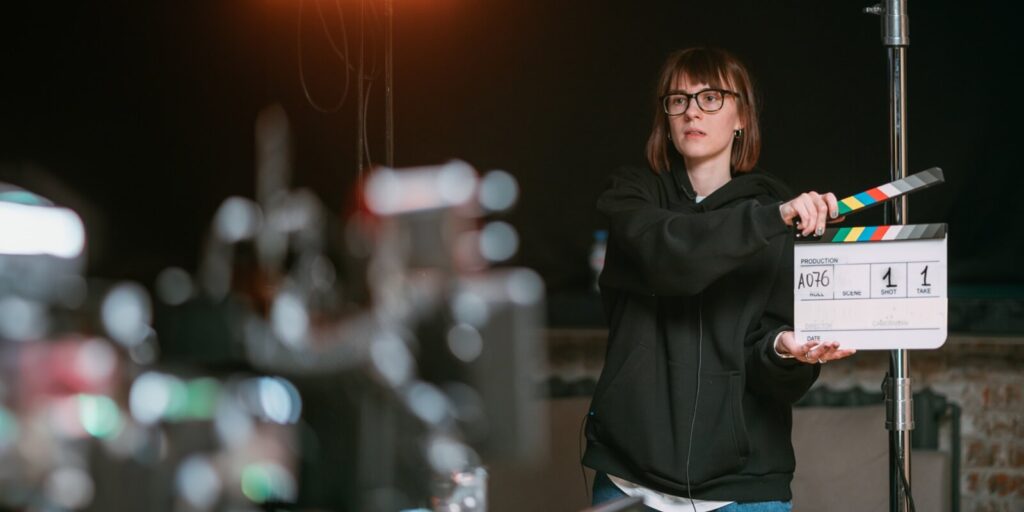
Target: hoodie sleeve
[(681, 253), (786, 380)]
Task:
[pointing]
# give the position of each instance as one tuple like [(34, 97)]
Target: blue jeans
[(605, 490)]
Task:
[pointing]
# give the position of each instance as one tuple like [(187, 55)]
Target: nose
[(692, 110)]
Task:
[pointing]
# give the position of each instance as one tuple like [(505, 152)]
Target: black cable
[(904, 482), (375, 30), (359, 92), (579, 451), (343, 55), (366, 109), (302, 72), (696, 398)]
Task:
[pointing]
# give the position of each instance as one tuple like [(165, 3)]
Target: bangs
[(699, 67)]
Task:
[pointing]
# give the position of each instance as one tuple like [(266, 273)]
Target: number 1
[(888, 278)]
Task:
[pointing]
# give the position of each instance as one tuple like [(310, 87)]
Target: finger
[(833, 205), (816, 211), (795, 209), (806, 347), (823, 350), (822, 218), (837, 220), (827, 354), (802, 352), (806, 220), (836, 353), (818, 353), (788, 213), (842, 353), (820, 213)]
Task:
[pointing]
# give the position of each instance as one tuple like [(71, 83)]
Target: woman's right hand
[(810, 212)]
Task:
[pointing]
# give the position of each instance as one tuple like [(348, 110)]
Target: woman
[(693, 410)]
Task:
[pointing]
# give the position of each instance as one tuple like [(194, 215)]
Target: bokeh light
[(465, 342), (427, 402), (447, 455), (389, 192), (158, 397), (198, 482), (273, 399), (289, 319), (69, 487), (127, 313), (391, 358), (95, 361), (525, 287), (455, 182), (498, 191), (22, 319), (470, 308), (498, 241), (201, 397), (30, 230), (8, 428), (149, 398), (237, 219), (268, 481), (174, 286), (100, 416)]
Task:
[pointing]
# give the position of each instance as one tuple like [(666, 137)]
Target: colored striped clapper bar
[(880, 233), (878, 195)]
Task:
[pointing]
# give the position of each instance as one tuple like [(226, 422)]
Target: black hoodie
[(695, 294)]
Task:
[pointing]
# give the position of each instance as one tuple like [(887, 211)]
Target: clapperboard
[(874, 287)]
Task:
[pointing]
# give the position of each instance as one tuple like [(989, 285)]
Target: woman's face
[(701, 136)]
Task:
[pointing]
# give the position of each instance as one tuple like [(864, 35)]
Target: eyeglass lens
[(708, 101)]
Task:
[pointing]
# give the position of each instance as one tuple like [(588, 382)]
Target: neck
[(707, 175)]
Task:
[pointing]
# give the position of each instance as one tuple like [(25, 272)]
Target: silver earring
[(738, 134)]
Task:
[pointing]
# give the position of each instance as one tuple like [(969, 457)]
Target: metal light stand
[(898, 394), (389, 83)]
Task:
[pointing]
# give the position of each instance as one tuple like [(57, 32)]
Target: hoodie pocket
[(648, 421), (720, 444)]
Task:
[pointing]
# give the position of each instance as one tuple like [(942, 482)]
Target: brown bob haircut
[(717, 68)]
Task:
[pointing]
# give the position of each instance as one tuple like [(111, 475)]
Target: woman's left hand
[(812, 352)]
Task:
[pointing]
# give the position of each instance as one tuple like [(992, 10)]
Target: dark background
[(140, 114)]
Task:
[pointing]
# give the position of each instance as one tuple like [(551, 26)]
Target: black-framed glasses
[(708, 100)]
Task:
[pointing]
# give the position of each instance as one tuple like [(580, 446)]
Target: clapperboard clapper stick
[(878, 195)]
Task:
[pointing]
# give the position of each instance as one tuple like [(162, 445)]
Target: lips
[(693, 132)]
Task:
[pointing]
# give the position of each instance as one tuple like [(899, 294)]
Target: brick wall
[(984, 376)]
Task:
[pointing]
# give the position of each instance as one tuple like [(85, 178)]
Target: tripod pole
[(898, 392), (389, 83)]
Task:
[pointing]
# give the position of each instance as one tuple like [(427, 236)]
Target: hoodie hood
[(756, 183)]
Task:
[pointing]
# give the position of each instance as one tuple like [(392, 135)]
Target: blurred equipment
[(369, 363), (415, 362), (42, 252), (625, 504), (440, 370)]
